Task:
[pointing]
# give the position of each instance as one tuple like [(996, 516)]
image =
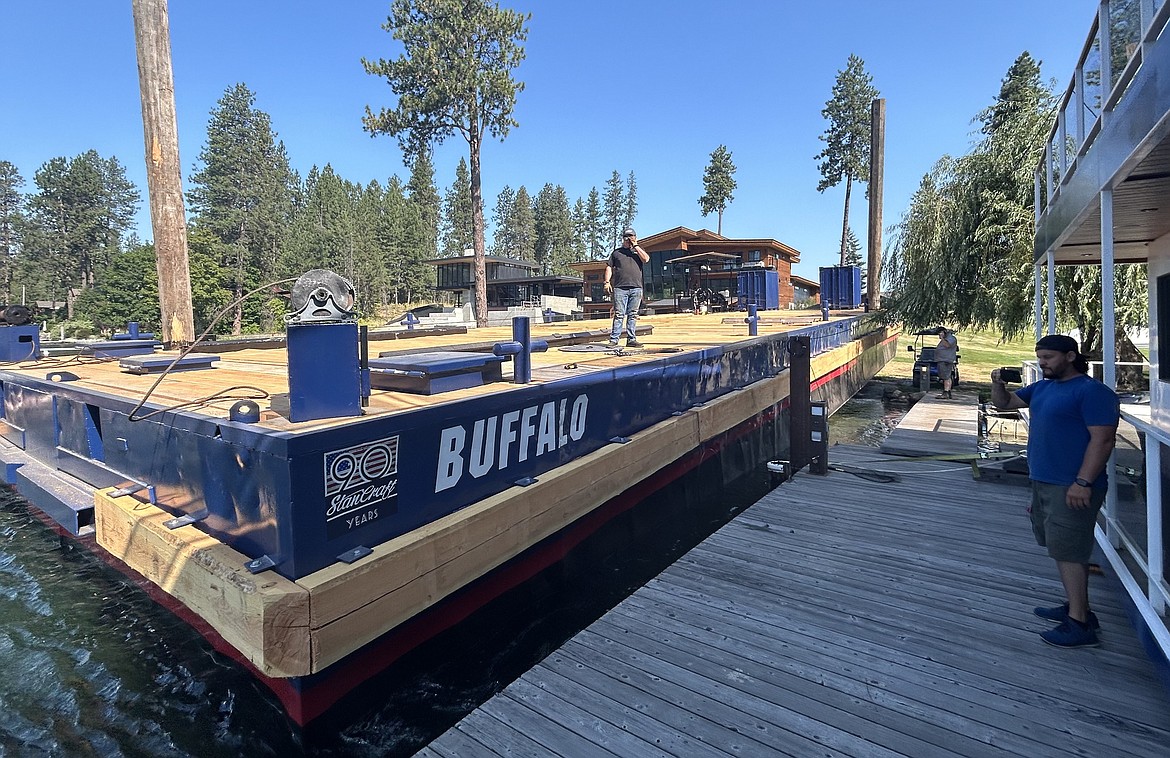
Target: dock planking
[(841, 616)]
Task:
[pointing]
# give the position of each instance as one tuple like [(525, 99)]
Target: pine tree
[(595, 234), (421, 191), (613, 210), (554, 229), (456, 226), (718, 185), (127, 290), (580, 241), (524, 225), (455, 76), (504, 237), (853, 255), (847, 140), (81, 210), (631, 201), (243, 195), (11, 225)]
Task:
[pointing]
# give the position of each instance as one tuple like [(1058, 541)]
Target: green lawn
[(979, 353)]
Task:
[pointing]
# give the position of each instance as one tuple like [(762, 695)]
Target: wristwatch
[(1082, 482)]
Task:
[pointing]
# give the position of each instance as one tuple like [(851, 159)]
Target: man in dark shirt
[(623, 278)]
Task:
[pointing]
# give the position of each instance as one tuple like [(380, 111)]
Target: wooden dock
[(842, 616)]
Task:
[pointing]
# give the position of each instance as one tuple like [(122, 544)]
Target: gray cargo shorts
[(1066, 532)]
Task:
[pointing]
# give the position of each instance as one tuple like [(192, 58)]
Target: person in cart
[(946, 352)]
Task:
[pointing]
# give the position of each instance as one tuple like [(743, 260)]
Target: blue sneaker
[(1071, 633), (1060, 613)]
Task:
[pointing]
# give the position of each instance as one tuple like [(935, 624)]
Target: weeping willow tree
[(962, 253), (1078, 305)]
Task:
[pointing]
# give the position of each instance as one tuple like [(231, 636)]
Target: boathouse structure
[(1103, 198)]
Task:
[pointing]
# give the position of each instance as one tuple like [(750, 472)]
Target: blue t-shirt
[(1060, 414)]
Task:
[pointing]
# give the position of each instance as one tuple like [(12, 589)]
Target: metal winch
[(321, 296), (328, 376)]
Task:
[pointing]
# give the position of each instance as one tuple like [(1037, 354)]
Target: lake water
[(90, 666)]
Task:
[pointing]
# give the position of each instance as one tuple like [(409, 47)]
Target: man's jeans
[(626, 303)]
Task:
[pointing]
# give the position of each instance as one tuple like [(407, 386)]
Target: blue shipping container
[(841, 287), (759, 287)]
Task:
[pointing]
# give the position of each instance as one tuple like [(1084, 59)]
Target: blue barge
[(317, 551)]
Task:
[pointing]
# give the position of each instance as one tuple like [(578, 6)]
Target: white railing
[(1110, 58), (1031, 371), (1147, 560)]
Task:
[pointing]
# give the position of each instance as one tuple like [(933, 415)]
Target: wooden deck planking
[(841, 616), (936, 427), (266, 368)]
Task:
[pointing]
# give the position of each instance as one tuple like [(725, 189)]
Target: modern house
[(511, 282), (1102, 198), (805, 290), (683, 262)]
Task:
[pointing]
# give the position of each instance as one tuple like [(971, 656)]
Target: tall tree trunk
[(163, 171), (845, 219), (481, 310), (719, 224)]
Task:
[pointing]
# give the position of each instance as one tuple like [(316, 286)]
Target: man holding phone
[(1072, 428), (623, 279)]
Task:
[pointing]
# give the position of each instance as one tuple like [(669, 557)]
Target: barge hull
[(314, 638)]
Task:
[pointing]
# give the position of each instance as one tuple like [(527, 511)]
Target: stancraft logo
[(361, 485)]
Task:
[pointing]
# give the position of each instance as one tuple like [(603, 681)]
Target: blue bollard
[(133, 333), (824, 311), (752, 320), (411, 321), (521, 347)]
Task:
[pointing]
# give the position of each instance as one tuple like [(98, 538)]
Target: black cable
[(256, 394), (187, 350), (32, 352), (73, 360)]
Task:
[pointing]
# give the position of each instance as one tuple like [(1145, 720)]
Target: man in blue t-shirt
[(1072, 427)]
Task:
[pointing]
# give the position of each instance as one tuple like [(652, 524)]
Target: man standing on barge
[(623, 278), (1072, 429)]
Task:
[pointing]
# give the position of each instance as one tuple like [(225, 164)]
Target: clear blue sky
[(649, 86)]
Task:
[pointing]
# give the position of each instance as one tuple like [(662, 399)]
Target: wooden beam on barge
[(289, 629), (265, 616)]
